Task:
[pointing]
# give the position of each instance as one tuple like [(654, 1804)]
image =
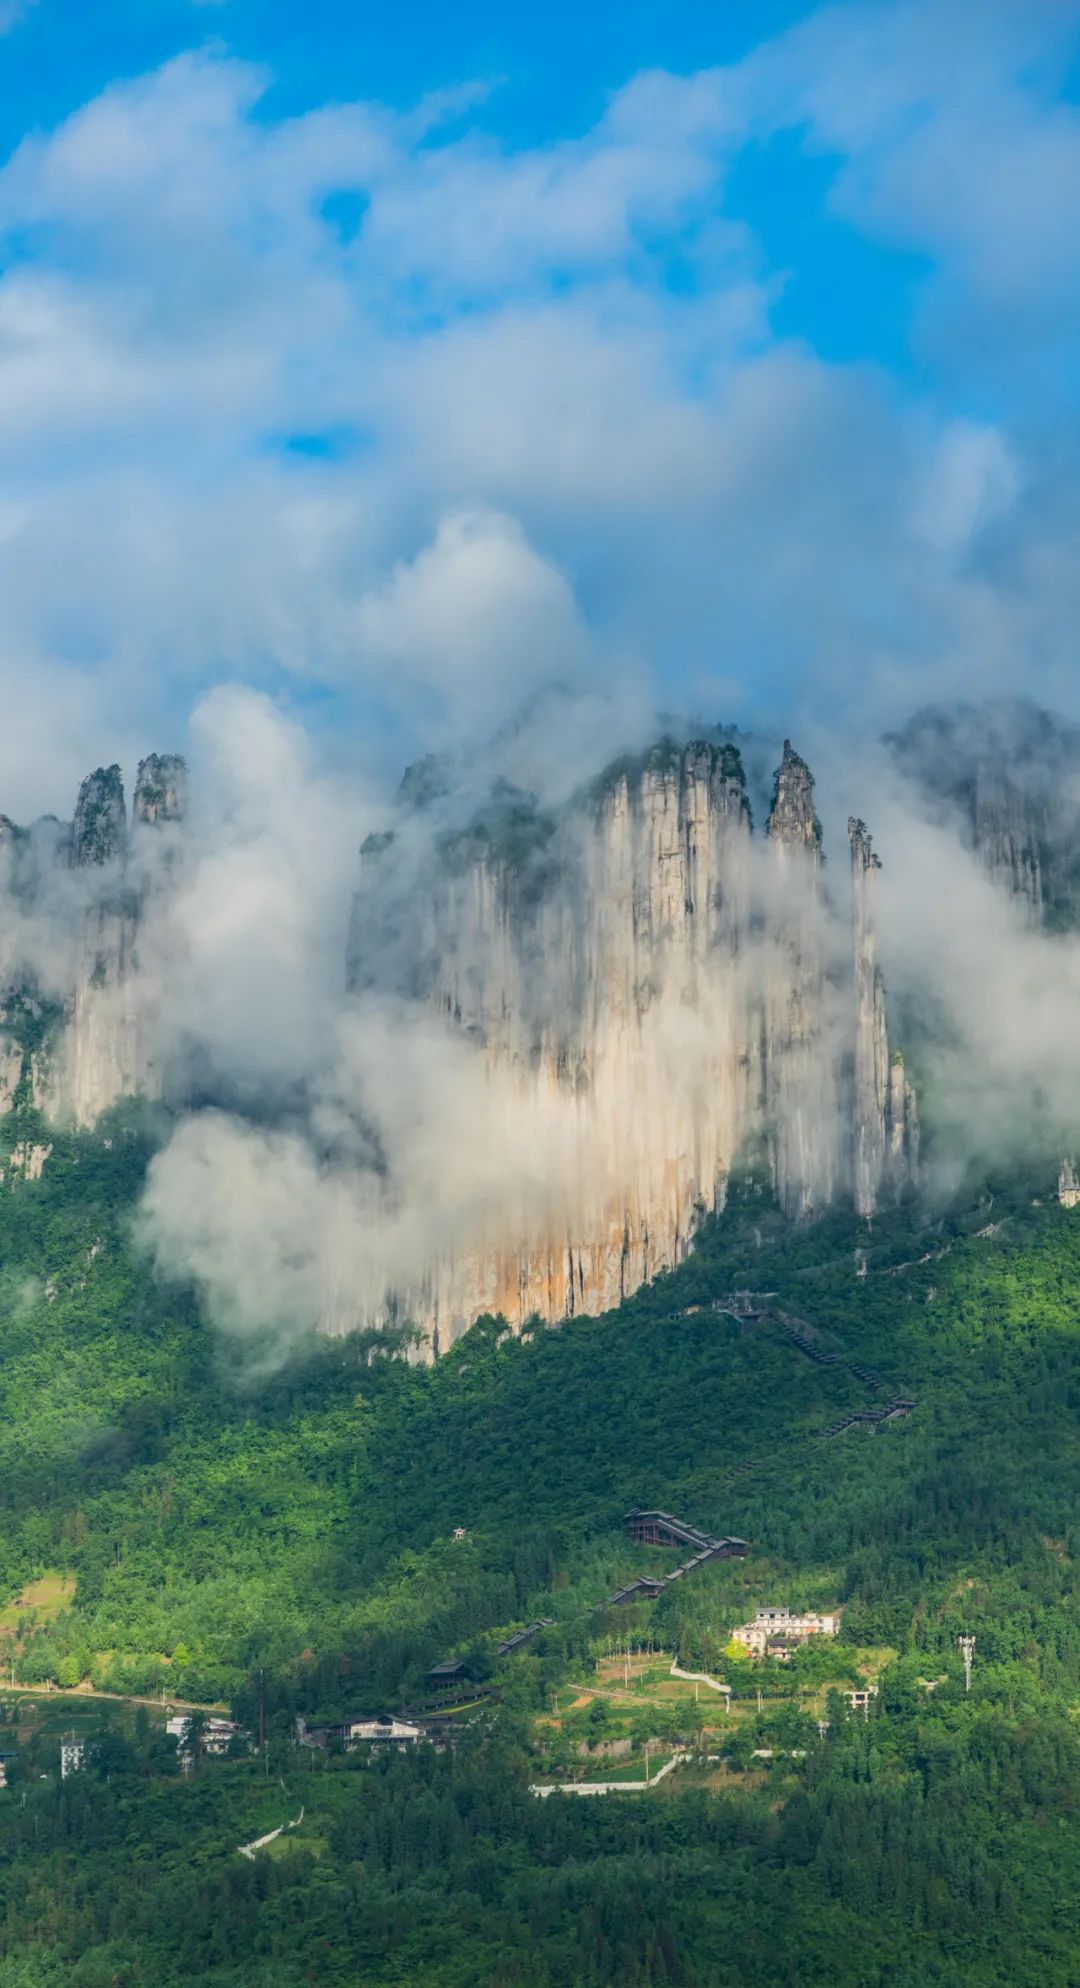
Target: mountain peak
[(792, 817), (100, 824)]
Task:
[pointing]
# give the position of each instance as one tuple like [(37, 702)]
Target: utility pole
[(966, 1646)]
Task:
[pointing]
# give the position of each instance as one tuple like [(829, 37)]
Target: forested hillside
[(217, 1536)]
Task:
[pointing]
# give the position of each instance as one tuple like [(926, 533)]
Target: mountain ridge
[(638, 982)]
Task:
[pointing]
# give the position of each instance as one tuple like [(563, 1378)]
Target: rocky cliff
[(78, 1034), (596, 961), (161, 789), (101, 1060), (884, 1118), (639, 985), (649, 974), (1006, 776), (802, 1104)]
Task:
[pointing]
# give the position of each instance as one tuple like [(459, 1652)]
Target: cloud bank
[(274, 391)]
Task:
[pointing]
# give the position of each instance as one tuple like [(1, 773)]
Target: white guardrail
[(701, 1677), (544, 1788), (249, 1849)]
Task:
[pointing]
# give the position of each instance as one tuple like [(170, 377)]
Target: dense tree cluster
[(290, 1543)]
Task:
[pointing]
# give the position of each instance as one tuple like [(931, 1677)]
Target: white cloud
[(953, 141), (254, 947), (497, 339), (971, 481), (476, 610)]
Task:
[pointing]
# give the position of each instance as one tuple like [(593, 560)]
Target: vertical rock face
[(802, 1105), (160, 789), (596, 963), (101, 1063), (99, 830), (1006, 835), (885, 1123), (871, 1045), (1007, 776), (11, 1065), (793, 822), (102, 1042), (901, 1128), (636, 986), (75, 1059), (651, 989)]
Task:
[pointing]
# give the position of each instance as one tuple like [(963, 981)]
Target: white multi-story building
[(215, 1737), (779, 1625)]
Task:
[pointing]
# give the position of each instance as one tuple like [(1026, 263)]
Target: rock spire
[(100, 1042), (100, 826), (793, 822), (802, 1106), (160, 789), (885, 1121)]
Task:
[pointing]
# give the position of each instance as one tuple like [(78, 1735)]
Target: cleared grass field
[(42, 1599)]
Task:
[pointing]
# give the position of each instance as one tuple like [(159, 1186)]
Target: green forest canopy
[(303, 1528)]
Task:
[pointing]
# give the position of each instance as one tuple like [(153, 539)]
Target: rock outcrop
[(99, 830), (595, 964), (640, 987), (72, 1056), (1006, 833), (650, 988), (793, 822), (1006, 776), (102, 1062), (802, 1103), (885, 1121), (161, 790)]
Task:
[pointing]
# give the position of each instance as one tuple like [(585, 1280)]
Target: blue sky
[(557, 64), (391, 362)]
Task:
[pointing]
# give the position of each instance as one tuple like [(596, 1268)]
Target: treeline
[(901, 1853), (305, 1526)]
